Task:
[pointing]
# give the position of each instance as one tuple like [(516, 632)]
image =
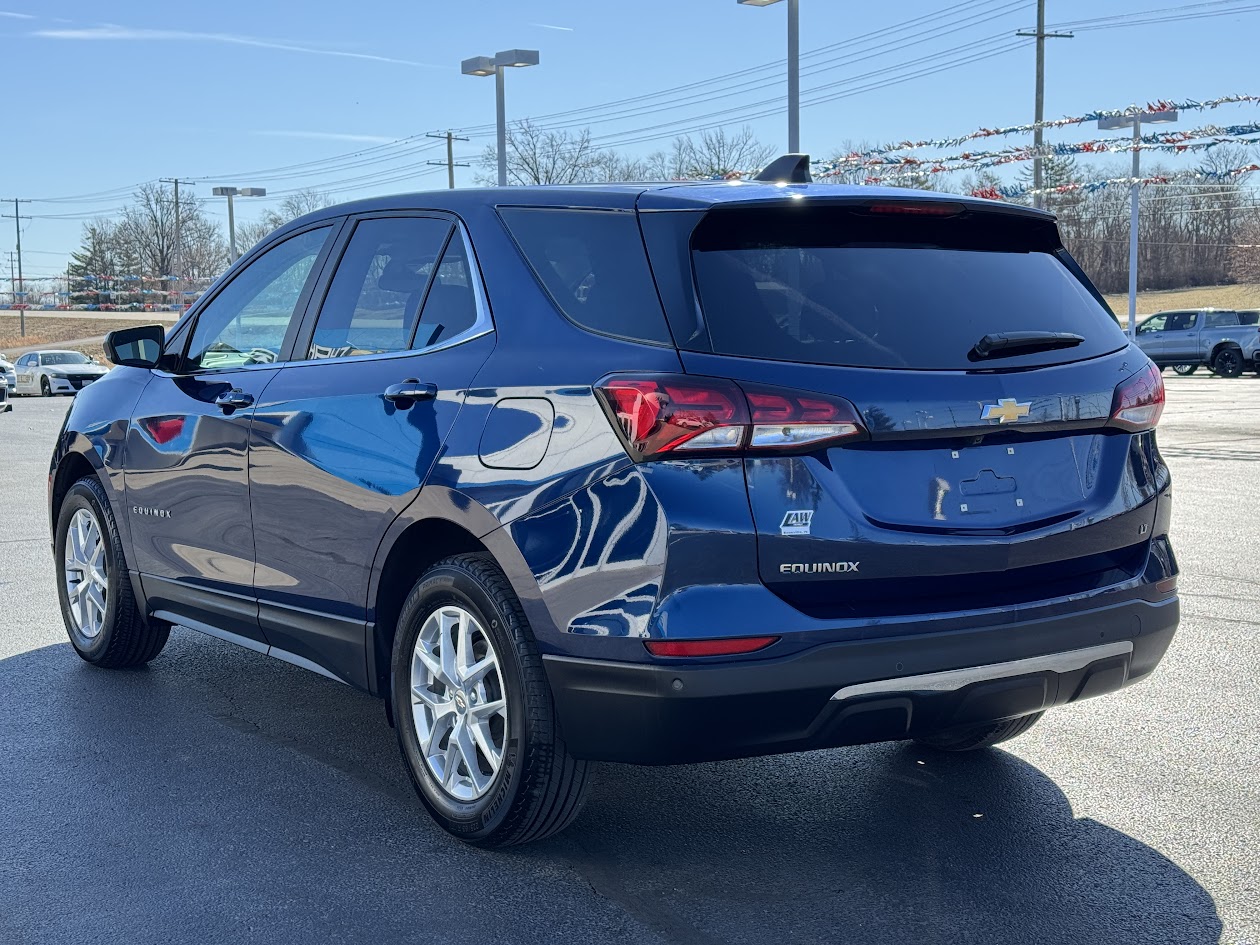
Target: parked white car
[(55, 372), (7, 372)]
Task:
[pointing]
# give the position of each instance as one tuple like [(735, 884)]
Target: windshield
[(64, 357), (904, 297)]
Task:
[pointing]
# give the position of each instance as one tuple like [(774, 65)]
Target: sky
[(112, 93)]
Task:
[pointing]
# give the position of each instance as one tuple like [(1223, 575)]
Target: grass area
[(1245, 295), (61, 332)]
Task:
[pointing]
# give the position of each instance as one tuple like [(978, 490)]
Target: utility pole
[(177, 255), (21, 286), (1039, 115), (450, 156)]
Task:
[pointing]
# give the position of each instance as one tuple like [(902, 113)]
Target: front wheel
[(476, 720), (972, 737), (104, 622), (1185, 370), (45, 388), (1228, 363)]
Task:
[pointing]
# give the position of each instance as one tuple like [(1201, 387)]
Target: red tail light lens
[(784, 419), (669, 414), (680, 414), (1139, 401), (730, 647)]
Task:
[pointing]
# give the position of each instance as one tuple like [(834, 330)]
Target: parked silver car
[(55, 372), (1225, 340)]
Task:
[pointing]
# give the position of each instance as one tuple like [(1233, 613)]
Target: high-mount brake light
[(728, 647), (672, 414), (924, 209), (1139, 401)]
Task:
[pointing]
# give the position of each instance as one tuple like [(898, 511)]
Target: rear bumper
[(853, 692)]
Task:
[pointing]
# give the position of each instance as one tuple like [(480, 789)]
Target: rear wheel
[(475, 717), (972, 737), (103, 620), (1185, 370), (1228, 363)]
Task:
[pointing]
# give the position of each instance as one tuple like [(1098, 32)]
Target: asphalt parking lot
[(219, 796)]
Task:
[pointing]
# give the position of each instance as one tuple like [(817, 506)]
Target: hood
[(63, 369)]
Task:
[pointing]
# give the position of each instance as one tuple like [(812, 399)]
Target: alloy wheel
[(86, 573), (458, 703)]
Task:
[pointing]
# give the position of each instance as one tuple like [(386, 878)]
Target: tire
[(1185, 370), (1228, 362), (45, 388), (972, 737), (123, 637), (537, 788)]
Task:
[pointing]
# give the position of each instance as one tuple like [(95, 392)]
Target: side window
[(246, 322), (1153, 324), (1182, 321), (1221, 320), (375, 297), (450, 308), (594, 266), (1249, 318)]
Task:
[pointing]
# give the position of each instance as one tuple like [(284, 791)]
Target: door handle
[(234, 399), (409, 391)]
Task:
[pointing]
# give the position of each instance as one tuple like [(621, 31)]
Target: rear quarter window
[(593, 266)]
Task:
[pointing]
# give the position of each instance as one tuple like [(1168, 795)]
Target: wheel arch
[(440, 524), (1221, 346)]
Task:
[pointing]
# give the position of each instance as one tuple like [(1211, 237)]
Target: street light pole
[(793, 68), (231, 192), (500, 124), (1135, 119), (487, 65)]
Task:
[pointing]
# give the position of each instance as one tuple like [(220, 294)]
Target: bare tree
[(293, 206), (539, 156), (713, 153), (147, 235)]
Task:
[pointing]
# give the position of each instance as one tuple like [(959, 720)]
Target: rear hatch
[(987, 469)]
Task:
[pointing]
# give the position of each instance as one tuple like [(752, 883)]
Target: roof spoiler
[(788, 169)]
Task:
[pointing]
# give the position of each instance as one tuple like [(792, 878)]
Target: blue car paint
[(289, 509)]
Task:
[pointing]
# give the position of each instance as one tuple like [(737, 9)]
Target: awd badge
[(796, 523)]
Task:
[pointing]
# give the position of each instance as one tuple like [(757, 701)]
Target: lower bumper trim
[(954, 679)]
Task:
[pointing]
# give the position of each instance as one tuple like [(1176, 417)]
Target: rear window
[(1221, 320), (836, 285), (593, 265)]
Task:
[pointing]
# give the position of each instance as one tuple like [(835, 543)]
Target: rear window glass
[(1221, 320), (593, 265), (837, 286)]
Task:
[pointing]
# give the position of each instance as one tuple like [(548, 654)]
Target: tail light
[(667, 415), (728, 647), (1139, 401)]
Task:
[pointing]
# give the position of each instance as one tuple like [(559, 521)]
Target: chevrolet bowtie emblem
[(1005, 410)]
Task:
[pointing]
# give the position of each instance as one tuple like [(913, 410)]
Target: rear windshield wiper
[(1005, 344)]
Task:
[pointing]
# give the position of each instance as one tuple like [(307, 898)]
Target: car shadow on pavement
[(222, 796)]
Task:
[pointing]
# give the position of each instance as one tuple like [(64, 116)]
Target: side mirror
[(136, 347)]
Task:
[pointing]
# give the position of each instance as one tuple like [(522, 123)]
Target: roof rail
[(788, 169)]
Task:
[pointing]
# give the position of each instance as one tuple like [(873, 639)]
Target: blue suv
[(649, 473)]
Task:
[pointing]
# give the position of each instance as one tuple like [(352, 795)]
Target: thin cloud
[(113, 32), (16, 16), (327, 136), (548, 26)]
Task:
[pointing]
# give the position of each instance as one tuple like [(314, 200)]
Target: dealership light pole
[(793, 68), (1135, 119), (494, 65), (231, 192)]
